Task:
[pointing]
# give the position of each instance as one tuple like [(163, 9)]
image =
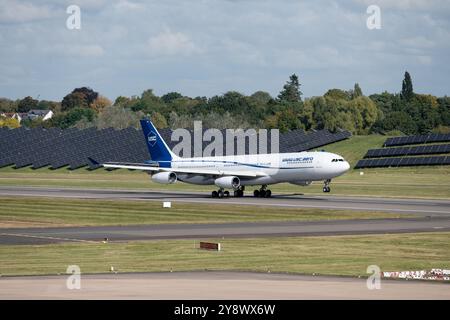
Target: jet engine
[(228, 182), (164, 177)]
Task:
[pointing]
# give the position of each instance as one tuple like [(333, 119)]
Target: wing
[(154, 168)]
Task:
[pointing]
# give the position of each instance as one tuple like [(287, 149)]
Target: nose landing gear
[(326, 185)]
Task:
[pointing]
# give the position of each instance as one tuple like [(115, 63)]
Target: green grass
[(19, 211), (337, 255), (406, 182), (356, 147)]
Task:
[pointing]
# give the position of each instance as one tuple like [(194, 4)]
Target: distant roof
[(38, 112)]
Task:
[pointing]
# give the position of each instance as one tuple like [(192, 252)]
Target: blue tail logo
[(157, 147), (151, 138)]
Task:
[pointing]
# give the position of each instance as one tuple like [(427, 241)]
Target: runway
[(432, 216), (432, 208), (16, 236), (214, 286)]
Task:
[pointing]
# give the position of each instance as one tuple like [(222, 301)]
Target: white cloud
[(20, 11), (418, 42), (127, 5), (425, 60), (408, 4), (168, 43), (76, 50), (219, 45)]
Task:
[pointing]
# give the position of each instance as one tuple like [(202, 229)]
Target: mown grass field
[(412, 182), (36, 212), (337, 255)]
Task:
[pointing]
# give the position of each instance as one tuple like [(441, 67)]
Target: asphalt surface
[(215, 285), (420, 207), (9, 236)]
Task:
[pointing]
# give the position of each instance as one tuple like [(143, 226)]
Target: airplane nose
[(346, 166)]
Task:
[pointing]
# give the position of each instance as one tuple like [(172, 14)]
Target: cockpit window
[(337, 160)]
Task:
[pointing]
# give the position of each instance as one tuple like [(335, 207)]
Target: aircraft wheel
[(262, 193), (226, 194), (214, 194), (240, 193), (256, 193), (268, 193), (220, 193), (236, 193)]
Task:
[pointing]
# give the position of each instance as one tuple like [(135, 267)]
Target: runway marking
[(207, 200), (45, 237), (300, 205)]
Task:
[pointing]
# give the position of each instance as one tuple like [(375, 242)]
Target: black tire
[(262, 193), (328, 189), (268, 193), (325, 189), (240, 193), (220, 193), (214, 194), (226, 194), (256, 193), (236, 193)]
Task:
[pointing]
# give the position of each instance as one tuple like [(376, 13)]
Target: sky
[(209, 47)]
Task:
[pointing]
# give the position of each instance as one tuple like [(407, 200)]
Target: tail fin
[(157, 147)]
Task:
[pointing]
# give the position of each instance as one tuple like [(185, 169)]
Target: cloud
[(207, 47), (76, 50), (418, 42), (13, 11), (408, 4), (168, 43), (127, 5)]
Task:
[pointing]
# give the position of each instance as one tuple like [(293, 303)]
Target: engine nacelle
[(228, 182), (164, 177), (303, 183)]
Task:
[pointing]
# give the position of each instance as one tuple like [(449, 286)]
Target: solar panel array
[(408, 155), (403, 162), (58, 148), (420, 139), (405, 151)]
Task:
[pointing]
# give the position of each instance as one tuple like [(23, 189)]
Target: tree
[(7, 105), (100, 103), (261, 97), (117, 117), (169, 97), (69, 119), (284, 120), (338, 94), (291, 90), (79, 98), (407, 88), (26, 104), (9, 122), (158, 120), (357, 92)]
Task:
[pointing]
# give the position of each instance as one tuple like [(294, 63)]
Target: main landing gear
[(326, 185), (239, 192), (263, 192), (226, 194), (220, 194)]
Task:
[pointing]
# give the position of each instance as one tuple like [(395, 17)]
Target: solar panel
[(418, 139)]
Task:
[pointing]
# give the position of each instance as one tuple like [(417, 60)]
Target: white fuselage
[(301, 167)]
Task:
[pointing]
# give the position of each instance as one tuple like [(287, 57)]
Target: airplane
[(235, 172)]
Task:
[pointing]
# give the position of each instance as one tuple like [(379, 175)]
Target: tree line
[(387, 113)]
